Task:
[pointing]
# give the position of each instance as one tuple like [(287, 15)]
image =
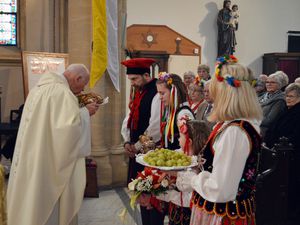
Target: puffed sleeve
[(231, 152)]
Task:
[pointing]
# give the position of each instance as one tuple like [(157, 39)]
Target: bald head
[(77, 76)]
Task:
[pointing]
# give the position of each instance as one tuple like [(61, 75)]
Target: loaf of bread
[(88, 98)]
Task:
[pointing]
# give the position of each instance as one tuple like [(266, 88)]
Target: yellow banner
[(99, 56)]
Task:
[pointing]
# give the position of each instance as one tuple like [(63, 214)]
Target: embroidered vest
[(244, 205), (144, 111)]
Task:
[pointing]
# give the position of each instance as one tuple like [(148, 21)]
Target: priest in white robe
[(47, 178)]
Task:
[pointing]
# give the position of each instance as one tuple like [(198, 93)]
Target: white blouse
[(232, 148), (153, 130)]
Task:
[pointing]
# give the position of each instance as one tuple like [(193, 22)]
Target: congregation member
[(144, 116), (47, 177), (188, 78), (297, 80), (196, 95), (230, 153), (206, 107), (203, 72), (273, 101), (288, 125)]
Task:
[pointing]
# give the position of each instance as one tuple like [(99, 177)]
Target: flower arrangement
[(149, 181)]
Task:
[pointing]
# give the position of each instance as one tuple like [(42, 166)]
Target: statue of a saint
[(226, 30)]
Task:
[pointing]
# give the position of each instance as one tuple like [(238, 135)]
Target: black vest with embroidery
[(244, 204), (144, 111)]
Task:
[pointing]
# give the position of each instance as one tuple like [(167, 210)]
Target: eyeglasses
[(291, 96)]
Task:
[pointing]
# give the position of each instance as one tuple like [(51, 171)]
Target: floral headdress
[(227, 77), (166, 77), (183, 128)]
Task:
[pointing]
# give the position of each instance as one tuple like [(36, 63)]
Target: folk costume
[(178, 207), (144, 112), (144, 116), (47, 178), (198, 84), (224, 191)]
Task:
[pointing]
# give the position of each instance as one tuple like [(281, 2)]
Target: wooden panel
[(287, 62), (164, 39)]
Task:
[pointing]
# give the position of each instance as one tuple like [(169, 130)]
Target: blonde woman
[(223, 193)]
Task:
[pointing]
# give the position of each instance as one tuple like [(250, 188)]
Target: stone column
[(107, 148), (101, 134), (118, 160)]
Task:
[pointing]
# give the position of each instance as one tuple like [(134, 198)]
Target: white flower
[(139, 186), (164, 183), (131, 185), (149, 178)]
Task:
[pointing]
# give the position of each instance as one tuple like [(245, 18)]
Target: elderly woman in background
[(206, 107), (196, 94), (203, 72), (188, 78), (288, 125), (273, 101)]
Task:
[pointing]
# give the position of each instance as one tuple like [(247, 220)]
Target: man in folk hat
[(144, 116)]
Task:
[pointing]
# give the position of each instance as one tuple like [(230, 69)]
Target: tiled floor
[(105, 210)]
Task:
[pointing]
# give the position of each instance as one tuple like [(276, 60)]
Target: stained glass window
[(8, 22)]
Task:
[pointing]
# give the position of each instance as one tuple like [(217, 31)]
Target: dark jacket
[(272, 108), (288, 125)]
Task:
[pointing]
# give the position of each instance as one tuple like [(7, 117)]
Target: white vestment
[(48, 168)]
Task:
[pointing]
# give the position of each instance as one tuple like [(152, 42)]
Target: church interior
[(179, 35)]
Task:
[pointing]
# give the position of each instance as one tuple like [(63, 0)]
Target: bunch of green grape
[(168, 158)]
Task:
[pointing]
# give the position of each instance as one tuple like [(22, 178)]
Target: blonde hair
[(230, 102)]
